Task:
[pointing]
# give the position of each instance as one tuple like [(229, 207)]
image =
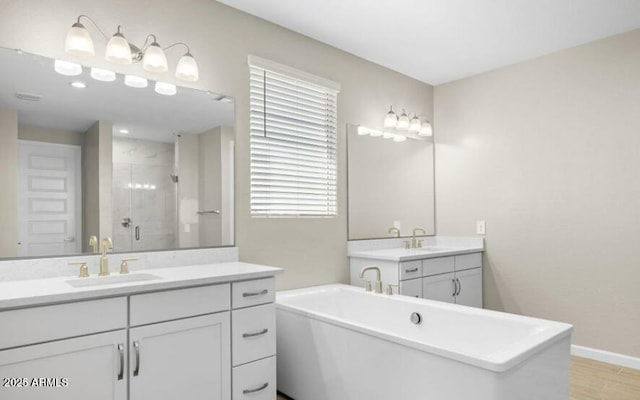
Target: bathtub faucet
[(367, 282)]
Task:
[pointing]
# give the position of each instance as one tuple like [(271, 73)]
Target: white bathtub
[(337, 342)]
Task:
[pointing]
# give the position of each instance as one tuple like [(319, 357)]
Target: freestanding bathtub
[(337, 342)]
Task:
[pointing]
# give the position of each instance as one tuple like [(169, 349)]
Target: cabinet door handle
[(137, 232), (411, 270), (459, 286), (261, 387), (252, 294), (121, 354), (136, 347), (254, 334), (455, 288)]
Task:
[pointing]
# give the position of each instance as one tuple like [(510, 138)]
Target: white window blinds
[(293, 142)]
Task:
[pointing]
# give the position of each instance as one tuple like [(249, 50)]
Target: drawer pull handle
[(411, 270), (252, 294), (136, 346), (254, 334), (121, 354), (262, 387)]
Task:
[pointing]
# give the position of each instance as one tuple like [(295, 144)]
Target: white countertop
[(401, 254), (24, 293)]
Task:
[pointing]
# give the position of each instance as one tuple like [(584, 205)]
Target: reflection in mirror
[(389, 184), (98, 158)]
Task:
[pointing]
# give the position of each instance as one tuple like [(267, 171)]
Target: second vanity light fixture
[(403, 123), (151, 55)]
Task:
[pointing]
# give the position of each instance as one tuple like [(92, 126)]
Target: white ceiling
[(437, 41)]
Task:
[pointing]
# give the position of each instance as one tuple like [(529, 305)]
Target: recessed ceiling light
[(78, 85), (124, 131)]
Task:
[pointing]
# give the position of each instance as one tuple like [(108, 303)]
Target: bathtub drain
[(416, 318)]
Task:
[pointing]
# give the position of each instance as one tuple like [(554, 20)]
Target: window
[(293, 141)]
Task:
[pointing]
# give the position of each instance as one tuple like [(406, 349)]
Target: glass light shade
[(135, 81), (426, 129), (67, 68), (388, 135), (118, 50), (390, 120), (78, 85), (187, 68), (166, 89), (154, 59), (399, 138), (415, 125), (103, 75), (363, 131), (78, 41), (403, 122), (375, 133)]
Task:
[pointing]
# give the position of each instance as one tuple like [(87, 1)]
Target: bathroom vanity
[(443, 269), (208, 330)]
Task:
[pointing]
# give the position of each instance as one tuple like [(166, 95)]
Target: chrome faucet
[(107, 243), (368, 283), (415, 243), (396, 230)]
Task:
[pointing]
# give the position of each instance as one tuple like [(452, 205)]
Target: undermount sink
[(111, 280)]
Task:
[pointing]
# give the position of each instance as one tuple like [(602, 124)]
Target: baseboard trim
[(605, 356)]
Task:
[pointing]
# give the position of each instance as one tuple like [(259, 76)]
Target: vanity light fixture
[(391, 120), (120, 51), (403, 122), (124, 131), (426, 129), (414, 125)]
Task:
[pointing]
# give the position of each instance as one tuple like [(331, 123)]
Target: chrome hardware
[(390, 289), (262, 387), (455, 288), (104, 261), (217, 212), (367, 285), (84, 270), (124, 265), (93, 243), (416, 318), (136, 347), (396, 230), (414, 241), (378, 281), (254, 334), (137, 232), (411, 270), (252, 294), (121, 354), (126, 222)]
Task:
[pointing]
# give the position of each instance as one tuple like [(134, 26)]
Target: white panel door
[(89, 367), (439, 287), (49, 203), (187, 359), (470, 287)]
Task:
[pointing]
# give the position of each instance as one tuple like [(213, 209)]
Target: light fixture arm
[(95, 25), (176, 44)]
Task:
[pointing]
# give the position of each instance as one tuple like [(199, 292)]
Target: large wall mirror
[(101, 158), (389, 184)]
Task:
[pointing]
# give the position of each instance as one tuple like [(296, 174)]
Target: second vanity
[(443, 269), (205, 330)]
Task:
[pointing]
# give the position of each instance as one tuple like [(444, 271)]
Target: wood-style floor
[(594, 380)]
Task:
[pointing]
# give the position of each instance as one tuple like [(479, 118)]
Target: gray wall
[(548, 153), (313, 251), (8, 182)]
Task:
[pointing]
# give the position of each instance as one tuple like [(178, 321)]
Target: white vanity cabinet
[(453, 278), (163, 345)]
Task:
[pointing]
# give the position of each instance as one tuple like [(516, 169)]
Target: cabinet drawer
[(468, 261), (411, 287), (435, 266), (253, 333), (410, 269), (42, 324), (256, 380), (174, 304), (252, 293)]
